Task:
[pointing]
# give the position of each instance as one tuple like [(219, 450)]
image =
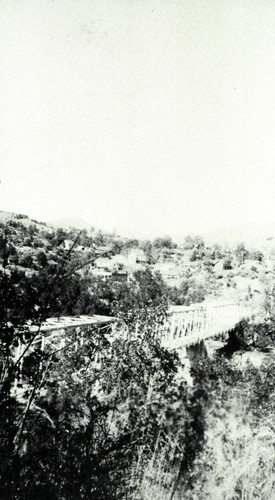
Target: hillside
[(190, 273), (9, 217)]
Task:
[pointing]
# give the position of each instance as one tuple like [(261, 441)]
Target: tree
[(188, 243), (164, 242), (257, 255), (17, 306), (26, 260), (193, 256), (150, 252), (227, 263), (241, 253), (60, 236), (188, 292), (217, 252), (199, 243), (42, 259)]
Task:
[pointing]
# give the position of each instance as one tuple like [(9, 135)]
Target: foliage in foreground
[(236, 458), (237, 461), (92, 422), (86, 417)]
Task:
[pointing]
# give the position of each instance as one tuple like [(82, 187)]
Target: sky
[(147, 117)]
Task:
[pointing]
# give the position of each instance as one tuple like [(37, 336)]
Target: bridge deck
[(65, 322)]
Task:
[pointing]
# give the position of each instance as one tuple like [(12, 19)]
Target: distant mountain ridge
[(253, 235), (257, 235), (67, 222)]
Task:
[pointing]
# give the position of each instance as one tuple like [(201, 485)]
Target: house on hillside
[(67, 244), (81, 248), (119, 261), (102, 273), (219, 266), (270, 262), (137, 256), (103, 250), (170, 254), (119, 277), (103, 263)]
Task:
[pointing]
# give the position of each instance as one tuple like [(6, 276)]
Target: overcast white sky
[(147, 116)]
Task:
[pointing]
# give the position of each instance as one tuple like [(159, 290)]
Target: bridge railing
[(189, 324)]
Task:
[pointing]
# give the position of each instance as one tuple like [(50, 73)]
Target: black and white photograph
[(137, 249)]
